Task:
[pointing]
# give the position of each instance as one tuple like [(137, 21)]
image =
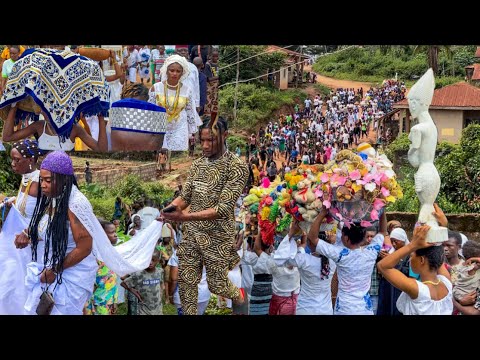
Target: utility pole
[(297, 71), (236, 86)]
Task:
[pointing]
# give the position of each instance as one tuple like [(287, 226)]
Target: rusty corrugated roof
[(456, 95), (476, 72)]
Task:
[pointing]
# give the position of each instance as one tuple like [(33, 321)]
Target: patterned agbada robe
[(210, 184)]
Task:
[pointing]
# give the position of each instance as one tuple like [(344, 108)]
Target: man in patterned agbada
[(214, 183)]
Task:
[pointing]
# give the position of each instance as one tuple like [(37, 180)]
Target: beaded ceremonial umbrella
[(62, 83)]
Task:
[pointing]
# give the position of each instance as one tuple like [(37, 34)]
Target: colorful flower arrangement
[(268, 203), (354, 187)]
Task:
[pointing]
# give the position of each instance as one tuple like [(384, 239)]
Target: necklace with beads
[(172, 113)]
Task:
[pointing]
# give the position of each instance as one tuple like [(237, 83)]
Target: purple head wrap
[(58, 162)]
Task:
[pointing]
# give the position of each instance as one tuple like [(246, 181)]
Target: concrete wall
[(449, 124), (468, 224), (146, 172)]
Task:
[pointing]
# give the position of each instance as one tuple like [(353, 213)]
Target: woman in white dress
[(354, 264), (316, 275), (433, 294), (15, 256), (177, 98), (66, 239)]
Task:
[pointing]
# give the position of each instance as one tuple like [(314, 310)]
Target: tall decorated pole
[(421, 154)]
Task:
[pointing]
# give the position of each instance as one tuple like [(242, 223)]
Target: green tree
[(9, 181), (432, 52), (253, 67)]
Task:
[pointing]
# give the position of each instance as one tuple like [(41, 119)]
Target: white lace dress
[(13, 261), (188, 121), (77, 286), (77, 281)]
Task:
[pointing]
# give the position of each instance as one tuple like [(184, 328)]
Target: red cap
[(181, 47)]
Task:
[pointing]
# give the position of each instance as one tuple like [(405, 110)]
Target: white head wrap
[(399, 234), (179, 60)]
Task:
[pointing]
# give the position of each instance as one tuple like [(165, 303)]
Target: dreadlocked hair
[(56, 235), (216, 124), (137, 90)]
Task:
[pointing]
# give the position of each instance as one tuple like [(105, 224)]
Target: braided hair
[(56, 235), (28, 148), (216, 124), (135, 91)]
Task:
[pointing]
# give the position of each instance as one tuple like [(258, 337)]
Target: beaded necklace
[(172, 113), (27, 180)]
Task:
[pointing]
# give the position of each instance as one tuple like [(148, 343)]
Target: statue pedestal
[(437, 234)]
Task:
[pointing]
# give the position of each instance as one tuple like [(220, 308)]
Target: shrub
[(157, 192), (447, 80), (9, 181), (103, 207), (233, 141), (399, 145), (255, 103), (129, 188)]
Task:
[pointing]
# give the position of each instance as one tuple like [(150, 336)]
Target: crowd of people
[(178, 98), (57, 257)]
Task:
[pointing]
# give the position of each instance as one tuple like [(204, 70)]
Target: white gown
[(188, 121), (13, 261), (78, 280)]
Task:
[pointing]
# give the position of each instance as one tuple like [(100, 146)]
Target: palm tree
[(432, 52)]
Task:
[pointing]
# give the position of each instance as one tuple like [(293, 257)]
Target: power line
[(258, 77), (250, 57), (229, 57), (276, 71)]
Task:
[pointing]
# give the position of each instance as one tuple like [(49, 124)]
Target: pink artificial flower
[(324, 177), (384, 178), (355, 175), (337, 180), (378, 204), (364, 223), (368, 177), (361, 182), (327, 204), (374, 215), (378, 178), (268, 200), (385, 192), (318, 193)]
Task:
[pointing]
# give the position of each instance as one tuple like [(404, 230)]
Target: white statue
[(423, 137)]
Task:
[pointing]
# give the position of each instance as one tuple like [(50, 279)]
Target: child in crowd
[(147, 286), (468, 280)]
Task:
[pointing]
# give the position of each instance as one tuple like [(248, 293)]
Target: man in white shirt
[(132, 60), (345, 138)]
